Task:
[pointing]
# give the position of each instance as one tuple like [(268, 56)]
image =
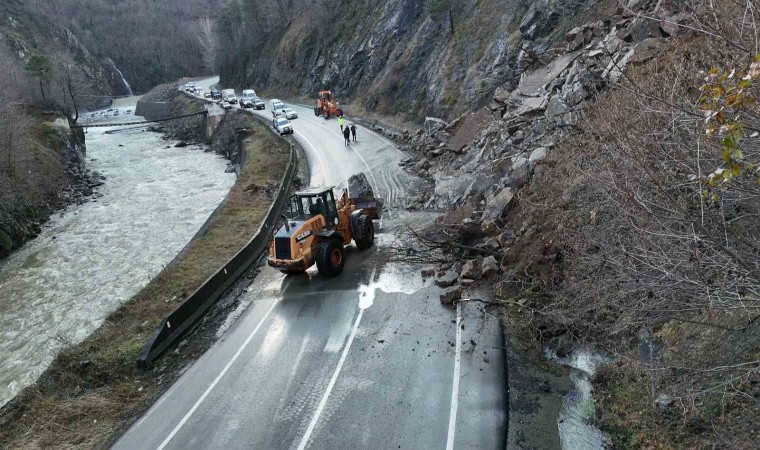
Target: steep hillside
[(43, 62), (152, 42), (410, 57), (47, 75)]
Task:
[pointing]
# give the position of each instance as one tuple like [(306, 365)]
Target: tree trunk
[(42, 91)]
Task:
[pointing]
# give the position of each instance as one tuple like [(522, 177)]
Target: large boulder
[(358, 186)]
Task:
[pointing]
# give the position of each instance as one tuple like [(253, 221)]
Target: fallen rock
[(428, 271), (358, 186), (451, 294), (489, 267), (455, 217), (446, 279), (489, 227), (470, 269), (538, 154), (497, 204)]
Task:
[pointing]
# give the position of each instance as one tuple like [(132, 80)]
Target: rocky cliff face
[(411, 57), (25, 34), (500, 147)]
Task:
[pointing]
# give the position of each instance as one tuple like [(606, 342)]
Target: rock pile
[(479, 161)]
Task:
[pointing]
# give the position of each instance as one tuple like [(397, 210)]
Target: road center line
[(334, 378), (455, 388), (218, 377)]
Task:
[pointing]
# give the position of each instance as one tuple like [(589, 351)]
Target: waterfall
[(123, 80)]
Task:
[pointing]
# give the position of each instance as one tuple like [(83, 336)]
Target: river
[(90, 259)]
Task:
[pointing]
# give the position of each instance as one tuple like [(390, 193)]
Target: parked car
[(207, 95), (225, 104), (282, 125), (290, 113), (199, 92), (229, 95), (259, 103), (216, 94)]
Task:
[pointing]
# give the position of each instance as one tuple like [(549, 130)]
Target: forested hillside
[(150, 41)]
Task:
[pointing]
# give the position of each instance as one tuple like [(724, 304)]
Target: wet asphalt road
[(370, 359)]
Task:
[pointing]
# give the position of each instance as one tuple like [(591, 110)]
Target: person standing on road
[(341, 122), (347, 136), (353, 131)]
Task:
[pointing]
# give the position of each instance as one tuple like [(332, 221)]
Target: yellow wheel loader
[(317, 228)]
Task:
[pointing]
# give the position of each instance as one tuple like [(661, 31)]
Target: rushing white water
[(89, 260), (578, 407), (124, 80)]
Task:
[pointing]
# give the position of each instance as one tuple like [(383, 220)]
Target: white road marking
[(455, 388), (319, 157), (334, 378), (218, 377)]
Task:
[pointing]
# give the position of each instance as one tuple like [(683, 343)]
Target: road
[(370, 359)]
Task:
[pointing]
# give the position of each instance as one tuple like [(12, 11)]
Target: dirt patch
[(93, 391)]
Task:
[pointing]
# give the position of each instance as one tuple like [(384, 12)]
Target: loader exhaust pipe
[(287, 227)]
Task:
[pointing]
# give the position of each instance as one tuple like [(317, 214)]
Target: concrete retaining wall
[(152, 111)]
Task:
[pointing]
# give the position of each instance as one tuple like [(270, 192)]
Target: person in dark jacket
[(347, 135), (353, 131)]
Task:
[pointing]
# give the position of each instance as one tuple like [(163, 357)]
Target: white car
[(289, 113), (282, 126), (277, 106)]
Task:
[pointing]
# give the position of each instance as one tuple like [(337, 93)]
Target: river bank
[(93, 257), (94, 390)]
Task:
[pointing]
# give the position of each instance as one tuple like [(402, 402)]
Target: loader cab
[(325, 95), (310, 203)]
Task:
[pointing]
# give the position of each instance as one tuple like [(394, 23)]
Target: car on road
[(216, 94), (225, 104), (229, 96), (290, 113), (259, 103), (248, 94), (199, 92), (206, 94), (282, 125), (277, 106), (246, 102)]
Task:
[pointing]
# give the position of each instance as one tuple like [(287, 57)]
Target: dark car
[(216, 94)]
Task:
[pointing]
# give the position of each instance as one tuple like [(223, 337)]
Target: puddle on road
[(393, 278), (575, 432)]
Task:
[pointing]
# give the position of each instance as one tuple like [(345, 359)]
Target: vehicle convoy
[(317, 229), (327, 106), (229, 96), (246, 100), (259, 103), (282, 125), (278, 107)]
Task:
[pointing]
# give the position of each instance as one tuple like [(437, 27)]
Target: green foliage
[(728, 101), (39, 67)]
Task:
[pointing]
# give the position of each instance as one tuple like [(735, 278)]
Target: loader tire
[(330, 258), (367, 230)]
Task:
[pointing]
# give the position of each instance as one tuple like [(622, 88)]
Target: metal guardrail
[(179, 321)]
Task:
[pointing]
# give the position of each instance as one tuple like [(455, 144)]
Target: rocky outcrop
[(403, 56), (492, 152)]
